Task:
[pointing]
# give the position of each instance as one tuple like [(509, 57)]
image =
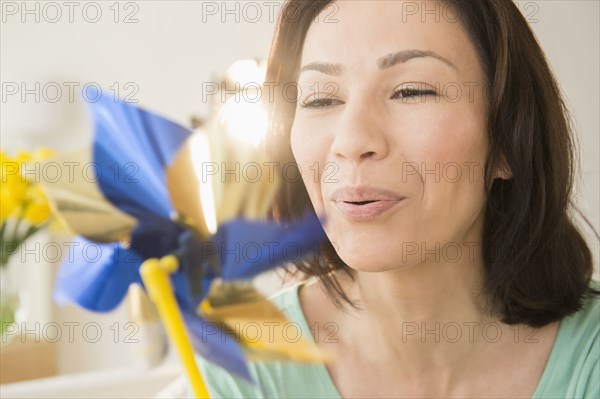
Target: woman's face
[(390, 132)]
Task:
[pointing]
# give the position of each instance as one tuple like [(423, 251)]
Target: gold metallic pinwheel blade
[(239, 306), (260, 194), (184, 185), (79, 204), (244, 185)]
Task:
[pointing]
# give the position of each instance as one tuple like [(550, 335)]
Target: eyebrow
[(383, 63), (323, 67)]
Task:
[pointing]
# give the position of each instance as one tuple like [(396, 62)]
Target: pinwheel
[(154, 216)]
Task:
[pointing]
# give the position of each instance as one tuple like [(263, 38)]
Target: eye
[(414, 91), (319, 103)]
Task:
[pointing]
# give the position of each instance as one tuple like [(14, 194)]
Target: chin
[(370, 256), (367, 244)]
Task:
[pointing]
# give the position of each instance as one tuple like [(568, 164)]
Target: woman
[(437, 146)]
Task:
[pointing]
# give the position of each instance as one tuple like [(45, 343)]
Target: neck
[(427, 315)]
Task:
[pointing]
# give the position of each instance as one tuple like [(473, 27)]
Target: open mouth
[(360, 202), (365, 210), (364, 203)]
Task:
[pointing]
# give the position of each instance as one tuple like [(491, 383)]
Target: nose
[(359, 134)]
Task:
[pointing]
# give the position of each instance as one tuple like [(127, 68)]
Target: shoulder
[(574, 365), (583, 327), (586, 336), (286, 299)]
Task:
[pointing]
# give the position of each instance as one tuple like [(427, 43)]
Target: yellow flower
[(42, 153), (9, 168), (23, 156), (19, 197), (7, 205), (37, 209), (28, 160), (13, 187), (37, 213)]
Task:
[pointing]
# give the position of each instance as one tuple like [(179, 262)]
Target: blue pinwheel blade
[(250, 247), (96, 276), (216, 346), (132, 148)]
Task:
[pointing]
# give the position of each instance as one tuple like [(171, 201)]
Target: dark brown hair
[(537, 264)]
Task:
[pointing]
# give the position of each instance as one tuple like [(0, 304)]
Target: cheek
[(309, 153), (301, 149), (446, 141), (452, 170)]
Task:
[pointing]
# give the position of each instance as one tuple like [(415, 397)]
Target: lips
[(364, 202)]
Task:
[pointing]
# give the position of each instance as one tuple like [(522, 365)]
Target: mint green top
[(572, 370)]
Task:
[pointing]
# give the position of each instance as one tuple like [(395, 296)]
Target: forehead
[(356, 33)]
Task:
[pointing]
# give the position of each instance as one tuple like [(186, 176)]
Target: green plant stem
[(31, 231), (2, 239), (16, 228)]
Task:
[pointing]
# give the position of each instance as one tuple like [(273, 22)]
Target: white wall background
[(171, 51)]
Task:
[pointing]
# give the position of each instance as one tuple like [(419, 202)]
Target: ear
[(502, 170)]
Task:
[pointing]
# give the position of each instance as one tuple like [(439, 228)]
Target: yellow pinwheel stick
[(155, 273)]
